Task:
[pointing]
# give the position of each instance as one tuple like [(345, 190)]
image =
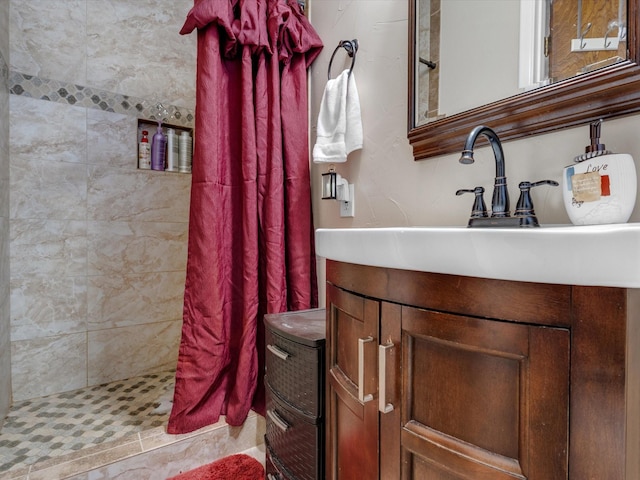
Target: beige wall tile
[(4, 130), (4, 178), (5, 378), (139, 51), (4, 32), (47, 131), (112, 139), (119, 353), (151, 196), (117, 301), (45, 306), (119, 248), (4, 283), (48, 247), (5, 313), (48, 38), (43, 366), (45, 189)]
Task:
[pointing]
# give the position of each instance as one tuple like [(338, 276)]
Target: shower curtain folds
[(250, 246)]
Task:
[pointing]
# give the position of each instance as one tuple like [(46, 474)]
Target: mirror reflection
[(474, 52)]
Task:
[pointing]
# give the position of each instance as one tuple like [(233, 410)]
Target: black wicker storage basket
[(296, 447), (296, 379)]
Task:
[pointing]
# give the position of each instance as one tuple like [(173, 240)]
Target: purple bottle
[(158, 147)]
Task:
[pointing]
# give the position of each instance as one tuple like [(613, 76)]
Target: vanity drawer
[(293, 440), (294, 371)]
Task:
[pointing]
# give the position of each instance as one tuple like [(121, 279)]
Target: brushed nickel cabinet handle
[(383, 406), (361, 395), (277, 420), (278, 352)]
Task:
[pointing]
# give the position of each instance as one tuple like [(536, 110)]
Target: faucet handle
[(524, 207), (479, 209)]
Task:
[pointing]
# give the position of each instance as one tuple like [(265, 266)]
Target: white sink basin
[(602, 255)]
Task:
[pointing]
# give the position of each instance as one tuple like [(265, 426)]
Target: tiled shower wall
[(97, 247), (5, 356)]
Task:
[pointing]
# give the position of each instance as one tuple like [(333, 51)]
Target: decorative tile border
[(62, 92)]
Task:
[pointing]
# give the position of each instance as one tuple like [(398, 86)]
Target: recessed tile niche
[(178, 152)]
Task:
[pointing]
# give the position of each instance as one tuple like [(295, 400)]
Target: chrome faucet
[(500, 199)]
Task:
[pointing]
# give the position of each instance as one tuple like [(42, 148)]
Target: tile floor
[(59, 425)]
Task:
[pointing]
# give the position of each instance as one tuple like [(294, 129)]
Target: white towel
[(339, 121)]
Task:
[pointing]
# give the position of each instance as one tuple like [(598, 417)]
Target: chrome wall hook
[(585, 30), (613, 24)]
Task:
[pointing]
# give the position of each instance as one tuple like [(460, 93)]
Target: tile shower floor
[(57, 425)]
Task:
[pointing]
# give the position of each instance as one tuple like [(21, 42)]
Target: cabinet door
[(483, 399), (352, 414)]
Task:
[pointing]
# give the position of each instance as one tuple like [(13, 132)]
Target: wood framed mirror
[(604, 93)]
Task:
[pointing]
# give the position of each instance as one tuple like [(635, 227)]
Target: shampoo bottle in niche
[(158, 146), (172, 150), (144, 152), (601, 186), (186, 146)]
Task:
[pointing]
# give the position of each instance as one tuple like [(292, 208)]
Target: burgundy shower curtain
[(250, 229)]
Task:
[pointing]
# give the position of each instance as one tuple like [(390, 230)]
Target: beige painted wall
[(392, 189)]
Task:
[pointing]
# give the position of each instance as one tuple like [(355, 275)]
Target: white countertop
[(602, 255)]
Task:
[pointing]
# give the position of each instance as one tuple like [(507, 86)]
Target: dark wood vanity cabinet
[(442, 377)]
